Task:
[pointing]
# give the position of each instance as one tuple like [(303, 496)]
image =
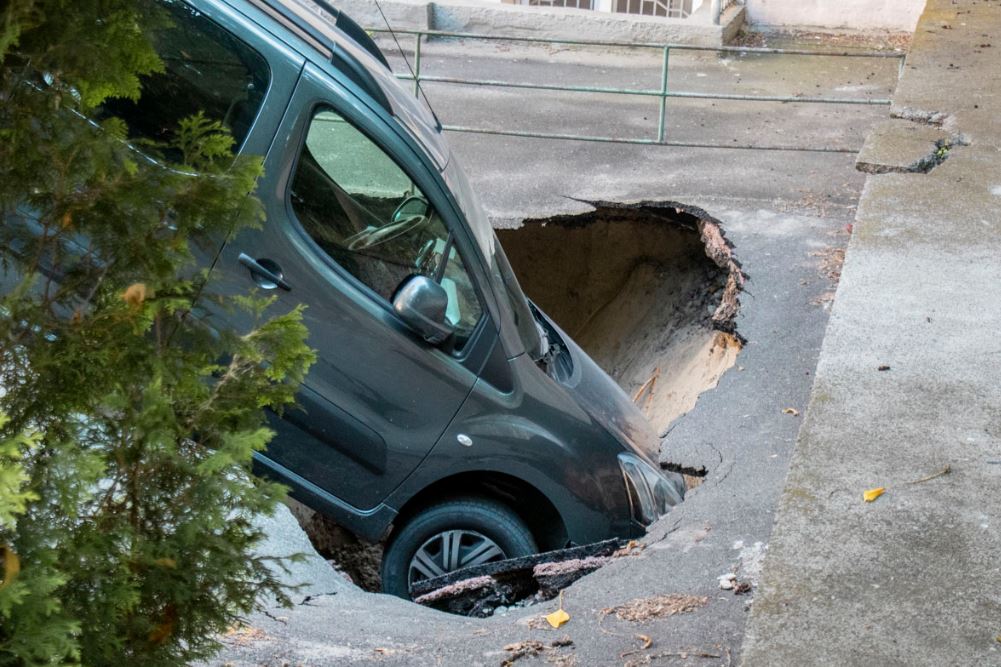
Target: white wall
[(893, 15)]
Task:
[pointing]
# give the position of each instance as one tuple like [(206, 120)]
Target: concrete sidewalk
[(907, 385)]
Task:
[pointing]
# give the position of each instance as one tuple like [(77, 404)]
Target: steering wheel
[(373, 236)]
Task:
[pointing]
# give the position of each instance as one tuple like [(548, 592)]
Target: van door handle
[(265, 272)]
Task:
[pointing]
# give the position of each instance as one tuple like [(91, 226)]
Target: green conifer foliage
[(126, 501)]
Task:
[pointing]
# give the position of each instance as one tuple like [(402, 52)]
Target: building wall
[(892, 15)]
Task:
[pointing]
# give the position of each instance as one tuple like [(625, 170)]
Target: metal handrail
[(663, 93), (639, 45)]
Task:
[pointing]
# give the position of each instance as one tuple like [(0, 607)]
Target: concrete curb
[(906, 395)]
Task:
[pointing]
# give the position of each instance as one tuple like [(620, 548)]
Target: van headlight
[(651, 495)]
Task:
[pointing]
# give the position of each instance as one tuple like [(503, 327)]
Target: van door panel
[(378, 397)]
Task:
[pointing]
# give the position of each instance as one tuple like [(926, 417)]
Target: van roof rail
[(302, 18), (342, 21)]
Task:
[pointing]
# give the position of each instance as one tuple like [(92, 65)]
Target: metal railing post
[(662, 122), (417, 65)]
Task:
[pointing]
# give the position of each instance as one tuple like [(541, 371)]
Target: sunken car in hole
[(446, 414)]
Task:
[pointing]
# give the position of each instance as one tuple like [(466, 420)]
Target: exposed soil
[(357, 560), (650, 291)]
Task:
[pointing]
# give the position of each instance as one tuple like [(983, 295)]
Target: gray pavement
[(913, 578), (785, 213)]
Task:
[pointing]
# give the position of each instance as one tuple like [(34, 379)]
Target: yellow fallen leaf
[(558, 618), (791, 411), (168, 563), (872, 494), (134, 294), (11, 566)]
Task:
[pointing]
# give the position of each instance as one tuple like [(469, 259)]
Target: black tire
[(487, 518)]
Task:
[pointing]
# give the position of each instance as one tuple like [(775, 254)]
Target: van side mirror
[(421, 303)]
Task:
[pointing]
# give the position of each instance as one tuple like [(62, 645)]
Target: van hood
[(604, 400)]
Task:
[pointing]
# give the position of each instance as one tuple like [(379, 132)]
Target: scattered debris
[(242, 635), (538, 623), (384, 651), (682, 655), (647, 643), (729, 581), (649, 384), (658, 606), (533, 647), (883, 367), (832, 261), (632, 548), (478, 591), (519, 650), (944, 471)]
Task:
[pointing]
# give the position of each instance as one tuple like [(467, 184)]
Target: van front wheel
[(450, 536)]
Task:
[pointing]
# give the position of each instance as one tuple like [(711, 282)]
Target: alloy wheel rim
[(452, 550)]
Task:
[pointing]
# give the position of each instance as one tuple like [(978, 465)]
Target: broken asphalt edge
[(718, 248)]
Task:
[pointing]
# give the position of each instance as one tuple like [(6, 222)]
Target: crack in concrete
[(923, 165), (309, 598), (910, 146), (922, 116), (684, 470)]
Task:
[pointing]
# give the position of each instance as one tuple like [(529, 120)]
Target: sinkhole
[(650, 291)]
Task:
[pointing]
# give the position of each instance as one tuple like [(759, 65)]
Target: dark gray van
[(445, 413)]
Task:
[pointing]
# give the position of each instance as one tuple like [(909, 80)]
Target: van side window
[(370, 218), (206, 69)]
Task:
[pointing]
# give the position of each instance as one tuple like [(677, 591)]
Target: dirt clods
[(357, 560)]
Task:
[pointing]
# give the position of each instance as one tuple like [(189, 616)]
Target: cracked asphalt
[(787, 214)]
